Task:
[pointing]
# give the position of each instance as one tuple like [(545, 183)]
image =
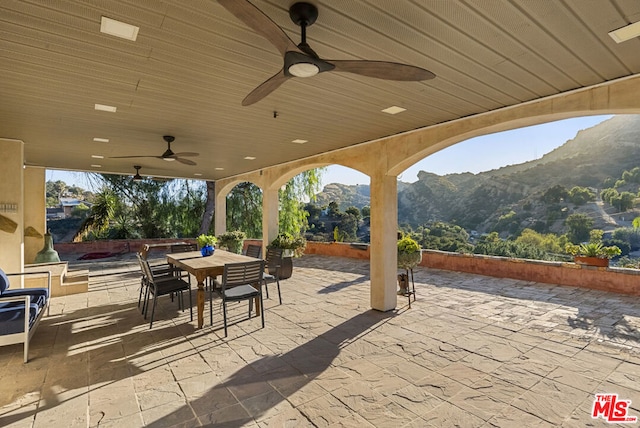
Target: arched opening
[(244, 209), (528, 192), (340, 212)]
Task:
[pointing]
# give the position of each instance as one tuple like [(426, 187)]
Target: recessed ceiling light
[(96, 166), (299, 141), (118, 29), (101, 140), (103, 107), (394, 110), (219, 169), (626, 33), (97, 157), (249, 157), (197, 174)]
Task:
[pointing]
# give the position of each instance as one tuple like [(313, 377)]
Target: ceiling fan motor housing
[(303, 14), (168, 155)]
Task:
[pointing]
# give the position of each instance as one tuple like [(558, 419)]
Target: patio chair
[(160, 286), (182, 248), (273, 263), (159, 270), (240, 281), (254, 251)]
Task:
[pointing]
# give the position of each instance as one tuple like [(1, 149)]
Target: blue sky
[(474, 155), (484, 153)]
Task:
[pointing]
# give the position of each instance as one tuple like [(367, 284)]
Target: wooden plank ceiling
[(193, 62)]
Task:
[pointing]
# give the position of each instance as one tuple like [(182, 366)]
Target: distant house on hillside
[(55, 213), (67, 205)]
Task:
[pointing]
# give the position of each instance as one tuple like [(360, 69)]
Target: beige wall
[(11, 192), (35, 213)]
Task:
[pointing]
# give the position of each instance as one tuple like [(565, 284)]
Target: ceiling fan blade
[(186, 154), (260, 23), (265, 88), (383, 70), (186, 161), (131, 157)]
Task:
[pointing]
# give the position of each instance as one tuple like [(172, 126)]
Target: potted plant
[(232, 241), (592, 253), (409, 255), (207, 244), (291, 246)]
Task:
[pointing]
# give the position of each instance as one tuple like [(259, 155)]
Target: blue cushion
[(39, 296), (12, 318), (4, 282)]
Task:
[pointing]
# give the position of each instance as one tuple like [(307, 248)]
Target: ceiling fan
[(300, 60), (137, 177), (168, 155)]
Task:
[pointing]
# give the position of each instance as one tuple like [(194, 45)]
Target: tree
[(80, 211), (101, 214), (626, 201), (443, 236), (155, 208), (314, 211), (209, 210), (244, 209), (554, 194), (365, 212), (579, 227), (354, 211), (333, 209), (293, 217), (581, 195), (608, 195), (550, 242), (244, 205)]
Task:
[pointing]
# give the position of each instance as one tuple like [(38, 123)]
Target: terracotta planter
[(592, 261)]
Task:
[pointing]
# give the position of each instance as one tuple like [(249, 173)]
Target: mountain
[(480, 201), (345, 195)]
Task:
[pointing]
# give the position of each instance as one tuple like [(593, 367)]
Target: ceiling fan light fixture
[(168, 159), (304, 69)]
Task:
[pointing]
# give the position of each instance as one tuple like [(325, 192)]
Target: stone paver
[(472, 351)]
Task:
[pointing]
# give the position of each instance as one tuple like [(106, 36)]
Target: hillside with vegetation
[(539, 194)]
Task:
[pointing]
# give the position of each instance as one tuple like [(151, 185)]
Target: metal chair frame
[(162, 286), (239, 281), (273, 263)]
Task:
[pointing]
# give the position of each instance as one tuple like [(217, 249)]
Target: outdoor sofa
[(15, 327)]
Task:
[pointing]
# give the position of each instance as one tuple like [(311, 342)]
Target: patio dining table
[(203, 267)]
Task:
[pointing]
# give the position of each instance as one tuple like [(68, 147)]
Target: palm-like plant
[(101, 214)]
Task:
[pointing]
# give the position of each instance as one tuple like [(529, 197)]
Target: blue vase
[(207, 250)]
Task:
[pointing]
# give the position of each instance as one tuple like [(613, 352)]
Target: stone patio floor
[(472, 351)]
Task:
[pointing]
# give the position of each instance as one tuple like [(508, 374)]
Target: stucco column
[(220, 213), (12, 205), (35, 211), (384, 238), (270, 209)]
